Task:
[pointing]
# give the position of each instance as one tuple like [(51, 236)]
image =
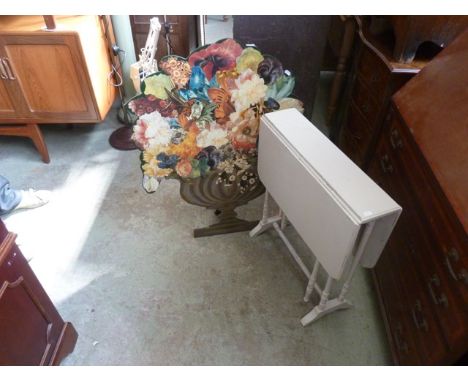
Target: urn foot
[(228, 223)]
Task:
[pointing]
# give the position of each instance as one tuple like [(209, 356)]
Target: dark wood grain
[(374, 78), (297, 41), (182, 34), (442, 84)]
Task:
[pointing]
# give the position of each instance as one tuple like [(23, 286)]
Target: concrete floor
[(123, 267), (217, 28)]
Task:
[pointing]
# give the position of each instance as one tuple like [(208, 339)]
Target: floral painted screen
[(202, 114)]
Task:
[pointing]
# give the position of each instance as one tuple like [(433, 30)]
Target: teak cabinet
[(59, 76), (53, 76), (45, 79), (32, 332)]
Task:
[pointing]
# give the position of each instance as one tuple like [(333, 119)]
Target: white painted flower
[(251, 89), (213, 136), (152, 129), (150, 183)]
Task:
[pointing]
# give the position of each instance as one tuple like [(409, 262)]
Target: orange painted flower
[(178, 68), (184, 168), (244, 131)]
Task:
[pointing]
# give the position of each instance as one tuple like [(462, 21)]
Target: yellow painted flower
[(249, 59), (188, 148), (156, 84), (152, 169), (150, 153), (151, 164)]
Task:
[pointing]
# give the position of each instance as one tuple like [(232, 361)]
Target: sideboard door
[(48, 76)]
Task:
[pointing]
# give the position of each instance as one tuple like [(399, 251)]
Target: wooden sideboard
[(421, 160), (31, 330), (53, 76)]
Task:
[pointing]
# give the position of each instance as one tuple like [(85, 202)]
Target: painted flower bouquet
[(201, 114)]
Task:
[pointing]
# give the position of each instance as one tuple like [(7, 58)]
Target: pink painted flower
[(139, 134), (221, 55), (184, 168)]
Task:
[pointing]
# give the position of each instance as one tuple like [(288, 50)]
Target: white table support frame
[(326, 304)]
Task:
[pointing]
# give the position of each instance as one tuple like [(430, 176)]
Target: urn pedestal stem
[(208, 191)]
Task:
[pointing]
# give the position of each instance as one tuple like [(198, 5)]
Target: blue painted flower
[(167, 161), (211, 156), (198, 85)]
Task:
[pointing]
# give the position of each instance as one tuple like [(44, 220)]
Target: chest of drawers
[(421, 161)]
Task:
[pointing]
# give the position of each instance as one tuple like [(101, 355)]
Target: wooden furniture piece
[(341, 40), (182, 34), (411, 31), (421, 161), (31, 330), (374, 78), (52, 76), (340, 213)]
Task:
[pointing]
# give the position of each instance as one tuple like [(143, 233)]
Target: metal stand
[(326, 305)]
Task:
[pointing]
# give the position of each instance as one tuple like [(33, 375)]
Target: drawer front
[(444, 234), (356, 136), (443, 300), (417, 310), (387, 276), (364, 100), (373, 71), (424, 325), (399, 327)]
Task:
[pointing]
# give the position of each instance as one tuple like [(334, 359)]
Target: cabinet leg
[(38, 140), (31, 131)]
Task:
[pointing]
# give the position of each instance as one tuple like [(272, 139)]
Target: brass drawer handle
[(6, 64), (357, 137), (3, 73), (418, 318), (385, 164), (395, 139), (442, 299), (401, 345), (374, 77), (365, 107), (453, 255)]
